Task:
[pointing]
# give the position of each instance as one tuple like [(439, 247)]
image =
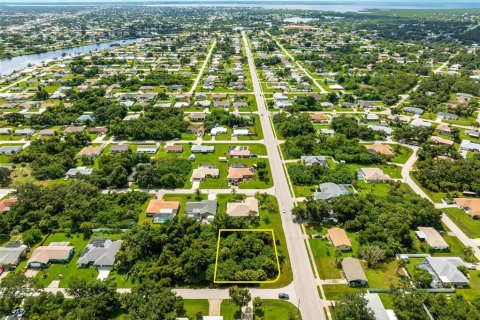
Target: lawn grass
[(324, 256), (195, 306), (383, 276), (276, 310), (229, 310), (336, 291), (184, 198), (469, 226), (402, 155)]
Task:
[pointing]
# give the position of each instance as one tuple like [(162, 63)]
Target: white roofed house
[(445, 271), (243, 209), (468, 145)]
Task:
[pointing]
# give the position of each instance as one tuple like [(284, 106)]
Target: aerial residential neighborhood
[(186, 162)]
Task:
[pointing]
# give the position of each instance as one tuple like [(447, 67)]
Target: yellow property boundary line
[(246, 230)]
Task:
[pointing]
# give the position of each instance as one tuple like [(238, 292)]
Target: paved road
[(304, 282), (322, 90), (205, 63)]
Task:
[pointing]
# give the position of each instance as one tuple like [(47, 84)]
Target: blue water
[(8, 66)]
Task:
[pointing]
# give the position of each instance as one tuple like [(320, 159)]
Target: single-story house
[(86, 117), (444, 128), (448, 116), (47, 132), (373, 175), (162, 210), (44, 255), (413, 110), (329, 190), (147, 148), (98, 130), (311, 160), (431, 237), (27, 132), (375, 127), (197, 116), (239, 152), (72, 173), (420, 123), (468, 145), (218, 130), (74, 129), (339, 239), (474, 133), (90, 152), (6, 130), (440, 140), (470, 205), (202, 149), (174, 149), (327, 132), (319, 117), (100, 252), (119, 148), (353, 271), (375, 303), (6, 204), (241, 132), (10, 256), (381, 148), (205, 171), (239, 174), (243, 209), (371, 117), (445, 271), (201, 210), (10, 150)]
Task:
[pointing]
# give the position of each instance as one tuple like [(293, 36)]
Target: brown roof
[(242, 209), (155, 206), (470, 205), (74, 129), (381, 148), (433, 238), (443, 127), (174, 148), (339, 237), (374, 174), (6, 204), (318, 116), (440, 140), (239, 173), (90, 151)]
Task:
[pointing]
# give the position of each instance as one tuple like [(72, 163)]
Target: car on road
[(283, 296), (283, 210)]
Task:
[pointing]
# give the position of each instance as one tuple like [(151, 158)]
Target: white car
[(283, 210)]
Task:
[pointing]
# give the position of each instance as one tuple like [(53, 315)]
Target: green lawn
[(335, 291), (184, 198), (383, 276), (229, 310), (276, 310), (402, 155), (324, 256), (193, 307), (469, 226)]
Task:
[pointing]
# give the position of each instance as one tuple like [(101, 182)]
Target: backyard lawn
[(276, 310), (402, 155), (229, 310)]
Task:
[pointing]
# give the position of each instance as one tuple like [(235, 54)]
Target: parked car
[(283, 210), (317, 235), (283, 296)]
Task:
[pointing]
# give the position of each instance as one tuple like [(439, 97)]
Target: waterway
[(8, 66)]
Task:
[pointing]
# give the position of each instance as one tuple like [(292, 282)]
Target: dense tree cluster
[(338, 147), (309, 175), (156, 124), (224, 118), (412, 135), (351, 128), (165, 173), (304, 103), (448, 175), (51, 158), (293, 125), (246, 256), (73, 206)]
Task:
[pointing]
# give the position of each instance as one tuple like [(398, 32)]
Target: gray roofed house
[(9, 150), (329, 190), (11, 256), (388, 131), (448, 116), (200, 210), (147, 148), (413, 110), (375, 303), (47, 132), (118, 148), (468, 145), (100, 252), (25, 132), (310, 160), (202, 149), (354, 272), (72, 173), (445, 271)]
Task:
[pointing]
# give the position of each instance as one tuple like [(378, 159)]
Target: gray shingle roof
[(100, 252)]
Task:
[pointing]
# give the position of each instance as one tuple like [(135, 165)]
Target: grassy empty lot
[(229, 310), (402, 155), (276, 310), (469, 226), (336, 291)]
